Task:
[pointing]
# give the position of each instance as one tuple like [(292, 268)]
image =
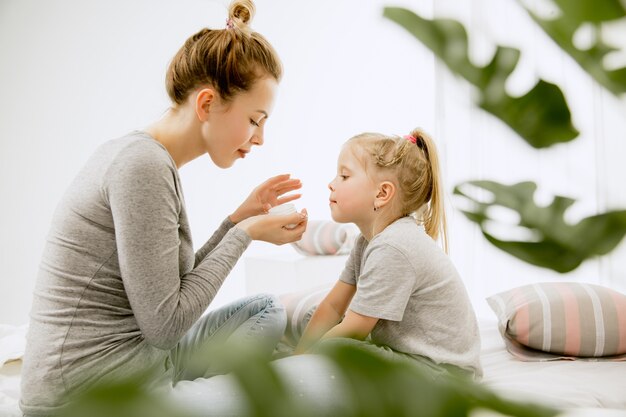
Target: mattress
[(581, 388), (561, 383)]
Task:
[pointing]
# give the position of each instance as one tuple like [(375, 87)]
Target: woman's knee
[(271, 308)]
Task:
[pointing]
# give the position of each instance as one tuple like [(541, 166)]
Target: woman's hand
[(266, 196), (275, 229)]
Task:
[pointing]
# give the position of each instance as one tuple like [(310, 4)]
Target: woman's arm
[(327, 315), (140, 189), (216, 238), (260, 200)]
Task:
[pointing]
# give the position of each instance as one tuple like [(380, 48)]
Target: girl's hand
[(266, 196), (274, 229)]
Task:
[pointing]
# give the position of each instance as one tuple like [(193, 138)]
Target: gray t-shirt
[(405, 279), (119, 283)]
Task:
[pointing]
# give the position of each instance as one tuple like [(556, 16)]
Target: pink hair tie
[(230, 24), (410, 138)]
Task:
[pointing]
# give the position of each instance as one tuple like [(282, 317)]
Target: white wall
[(74, 74)]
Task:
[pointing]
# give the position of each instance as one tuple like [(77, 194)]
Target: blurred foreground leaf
[(380, 387), (376, 386), (575, 14), (266, 393), (127, 398), (541, 116), (559, 246)]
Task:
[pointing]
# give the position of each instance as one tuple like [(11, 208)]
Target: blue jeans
[(258, 322)]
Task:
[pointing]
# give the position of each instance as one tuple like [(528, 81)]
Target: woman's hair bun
[(241, 12)]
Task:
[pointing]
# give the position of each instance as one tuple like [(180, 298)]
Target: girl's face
[(233, 128), (352, 191)]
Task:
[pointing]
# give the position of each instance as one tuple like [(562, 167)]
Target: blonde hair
[(230, 60), (414, 167)]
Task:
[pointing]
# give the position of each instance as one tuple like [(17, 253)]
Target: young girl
[(398, 286), (120, 290)]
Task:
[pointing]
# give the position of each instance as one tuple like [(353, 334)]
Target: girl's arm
[(327, 315), (354, 325)]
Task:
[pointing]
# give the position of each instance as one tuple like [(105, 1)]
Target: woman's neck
[(179, 133)]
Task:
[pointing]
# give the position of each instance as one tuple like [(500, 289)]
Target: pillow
[(562, 320), (326, 237), (300, 307)]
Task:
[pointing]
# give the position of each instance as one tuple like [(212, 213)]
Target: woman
[(119, 289)]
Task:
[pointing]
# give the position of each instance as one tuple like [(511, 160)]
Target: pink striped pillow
[(562, 320), (300, 307), (326, 237)]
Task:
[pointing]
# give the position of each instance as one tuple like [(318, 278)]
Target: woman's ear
[(205, 98), (386, 191)]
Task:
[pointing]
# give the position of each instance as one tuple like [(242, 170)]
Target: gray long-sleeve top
[(119, 283)]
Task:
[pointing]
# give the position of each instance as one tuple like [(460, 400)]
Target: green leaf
[(591, 10), (574, 15), (407, 388), (125, 398), (541, 116), (377, 386), (560, 246), (266, 393)]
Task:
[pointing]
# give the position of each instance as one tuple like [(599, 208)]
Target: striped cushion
[(562, 320), (300, 307), (326, 237)]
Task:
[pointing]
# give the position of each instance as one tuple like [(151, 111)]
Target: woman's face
[(234, 127)]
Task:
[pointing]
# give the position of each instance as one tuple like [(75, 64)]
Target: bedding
[(559, 383), (563, 384), (581, 388), (326, 237)]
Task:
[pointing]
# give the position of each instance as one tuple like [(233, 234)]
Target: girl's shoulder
[(404, 230), (408, 237)]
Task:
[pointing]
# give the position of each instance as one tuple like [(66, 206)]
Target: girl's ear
[(386, 191), (205, 98)]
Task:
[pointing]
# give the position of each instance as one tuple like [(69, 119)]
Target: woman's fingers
[(295, 225), (276, 180), (287, 186), (295, 218), (288, 198), (301, 223)]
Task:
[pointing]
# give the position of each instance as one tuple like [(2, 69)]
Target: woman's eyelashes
[(343, 177), (254, 123)]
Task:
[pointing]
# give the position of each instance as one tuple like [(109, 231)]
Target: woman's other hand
[(266, 196), (275, 229)]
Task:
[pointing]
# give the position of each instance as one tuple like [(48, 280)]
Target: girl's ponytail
[(434, 215)]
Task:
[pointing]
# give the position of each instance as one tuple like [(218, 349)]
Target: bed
[(582, 389), (564, 384)]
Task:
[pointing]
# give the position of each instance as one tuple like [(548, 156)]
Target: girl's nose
[(330, 186)]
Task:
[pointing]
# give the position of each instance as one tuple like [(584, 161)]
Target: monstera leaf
[(541, 116), (556, 244), (575, 14), (375, 386)]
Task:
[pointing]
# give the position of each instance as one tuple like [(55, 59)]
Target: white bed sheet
[(10, 389), (565, 384), (582, 388)]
